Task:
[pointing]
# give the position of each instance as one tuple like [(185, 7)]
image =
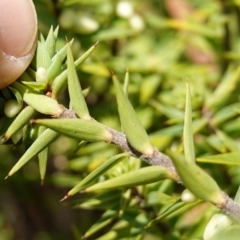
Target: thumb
[(18, 35)]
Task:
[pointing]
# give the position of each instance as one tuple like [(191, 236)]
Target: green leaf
[(42, 157), (77, 99), (103, 200), (60, 83), (48, 105), (224, 89), (160, 198), (126, 83), (55, 33), (50, 43), (62, 53), (229, 233), (36, 86), (131, 179), (20, 121), (96, 173), (187, 130), (174, 209), (237, 196), (104, 221), (43, 58), (168, 111), (225, 113), (20, 87), (5, 123), (230, 143), (55, 68), (125, 200), (18, 96), (88, 130), (198, 181), (130, 122), (216, 143), (232, 158), (43, 141), (148, 87)]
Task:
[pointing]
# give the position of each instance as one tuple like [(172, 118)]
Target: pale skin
[(18, 35)]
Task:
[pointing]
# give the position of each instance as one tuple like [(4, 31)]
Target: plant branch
[(119, 139)]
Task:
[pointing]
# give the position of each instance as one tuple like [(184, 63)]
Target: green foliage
[(161, 49)]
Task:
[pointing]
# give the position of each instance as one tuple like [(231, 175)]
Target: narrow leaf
[(21, 120), (131, 179), (96, 173), (224, 89), (50, 43), (77, 99), (126, 83), (43, 58), (18, 96), (48, 105), (42, 157), (225, 113), (88, 130), (5, 123), (232, 158), (47, 137), (55, 69), (130, 122), (104, 200), (229, 142), (60, 83), (173, 210), (198, 181), (62, 53), (104, 221), (188, 130)]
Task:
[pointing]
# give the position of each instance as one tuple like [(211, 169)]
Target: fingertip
[(18, 37), (18, 26)]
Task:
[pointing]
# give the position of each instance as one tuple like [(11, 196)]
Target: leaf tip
[(65, 197)]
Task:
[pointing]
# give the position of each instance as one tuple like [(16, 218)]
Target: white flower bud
[(11, 108), (188, 197)]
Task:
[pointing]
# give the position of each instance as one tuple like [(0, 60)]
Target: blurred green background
[(163, 44)]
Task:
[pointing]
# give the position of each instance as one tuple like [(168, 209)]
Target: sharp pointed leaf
[(97, 172), (131, 179), (55, 69), (60, 83), (126, 83), (43, 58), (48, 105), (88, 130), (198, 181), (130, 122), (22, 119), (77, 99), (188, 130), (50, 43), (42, 157), (224, 89), (232, 158), (47, 137)]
